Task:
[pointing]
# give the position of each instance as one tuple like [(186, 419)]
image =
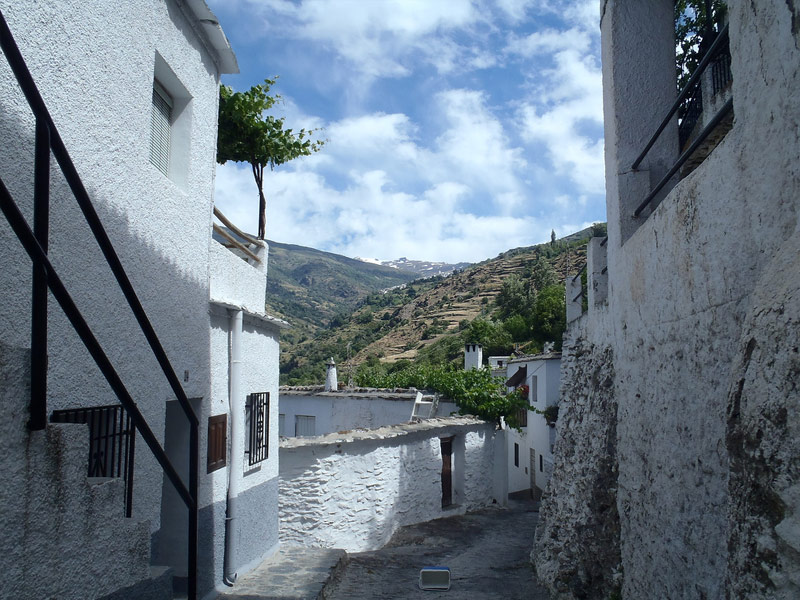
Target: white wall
[(343, 411), (353, 491), (94, 66), (691, 376), (538, 434)]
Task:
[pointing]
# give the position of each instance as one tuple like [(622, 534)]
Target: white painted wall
[(94, 66), (701, 326), (543, 379), (346, 410), (353, 491)]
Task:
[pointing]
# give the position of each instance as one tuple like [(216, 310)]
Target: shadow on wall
[(172, 287)]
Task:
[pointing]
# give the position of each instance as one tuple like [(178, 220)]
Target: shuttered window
[(160, 128), (304, 425)]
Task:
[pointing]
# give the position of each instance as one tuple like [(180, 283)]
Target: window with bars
[(257, 417), (161, 128), (217, 442)]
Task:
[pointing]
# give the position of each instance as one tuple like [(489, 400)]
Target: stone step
[(292, 573)]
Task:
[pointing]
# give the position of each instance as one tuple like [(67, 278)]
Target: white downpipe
[(235, 466)]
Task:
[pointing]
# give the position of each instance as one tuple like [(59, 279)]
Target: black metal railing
[(257, 413), (689, 115), (48, 140), (718, 49), (112, 443)]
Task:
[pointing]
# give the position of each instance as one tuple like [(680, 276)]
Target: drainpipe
[(235, 467)]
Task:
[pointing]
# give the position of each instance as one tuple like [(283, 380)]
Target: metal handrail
[(701, 137), (48, 140), (721, 37)]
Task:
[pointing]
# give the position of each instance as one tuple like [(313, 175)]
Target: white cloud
[(499, 147)]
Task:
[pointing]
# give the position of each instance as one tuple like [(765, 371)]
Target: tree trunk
[(258, 174), (262, 214)]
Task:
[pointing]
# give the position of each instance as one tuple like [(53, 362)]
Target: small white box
[(434, 578)]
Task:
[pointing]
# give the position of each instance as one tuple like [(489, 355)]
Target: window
[(304, 425), (522, 417), (217, 442), (257, 418), (160, 128), (534, 389), (516, 454), (541, 467)]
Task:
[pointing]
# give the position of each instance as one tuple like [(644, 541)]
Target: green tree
[(550, 315), (247, 134), (695, 22)]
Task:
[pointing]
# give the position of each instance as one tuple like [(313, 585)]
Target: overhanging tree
[(247, 134)]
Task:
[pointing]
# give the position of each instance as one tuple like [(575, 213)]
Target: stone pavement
[(292, 573), (488, 552)]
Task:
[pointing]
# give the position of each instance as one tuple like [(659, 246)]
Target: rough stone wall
[(702, 321), (577, 543), (764, 438), (353, 493)]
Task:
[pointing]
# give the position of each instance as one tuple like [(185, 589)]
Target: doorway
[(447, 471)]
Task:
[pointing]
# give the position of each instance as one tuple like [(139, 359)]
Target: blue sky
[(457, 129)]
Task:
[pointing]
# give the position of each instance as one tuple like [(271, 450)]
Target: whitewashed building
[(307, 411), (132, 91), (530, 451)]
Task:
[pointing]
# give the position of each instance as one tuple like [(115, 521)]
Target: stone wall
[(353, 491), (702, 323), (577, 538)]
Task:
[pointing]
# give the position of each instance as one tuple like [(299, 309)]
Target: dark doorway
[(447, 471)]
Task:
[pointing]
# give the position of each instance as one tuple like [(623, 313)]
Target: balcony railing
[(689, 108), (112, 443)]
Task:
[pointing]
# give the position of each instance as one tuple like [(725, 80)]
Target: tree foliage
[(248, 134), (695, 22), (475, 391)]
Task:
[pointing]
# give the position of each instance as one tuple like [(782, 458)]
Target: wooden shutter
[(217, 442)]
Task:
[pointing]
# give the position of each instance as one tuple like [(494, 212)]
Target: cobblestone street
[(488, 553)]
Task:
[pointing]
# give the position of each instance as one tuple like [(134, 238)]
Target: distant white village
[(149, 452)]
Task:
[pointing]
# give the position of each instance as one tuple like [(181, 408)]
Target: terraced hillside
[(403, 322)]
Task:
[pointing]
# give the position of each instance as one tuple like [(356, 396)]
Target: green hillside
[(513, 300), (308, 287)]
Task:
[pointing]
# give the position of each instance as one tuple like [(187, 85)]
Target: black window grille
[(257, 408), (112, 440)]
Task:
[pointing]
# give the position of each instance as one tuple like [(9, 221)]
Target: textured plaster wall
[(342, 412), (94, 66), (235, 281), (257, 521), (537, 435), (63, 535), (702, 327), (353, 492)]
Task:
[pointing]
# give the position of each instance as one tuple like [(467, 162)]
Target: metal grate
[(257, 415), (112, 440)]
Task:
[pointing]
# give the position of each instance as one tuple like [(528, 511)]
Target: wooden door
[(447, 471)]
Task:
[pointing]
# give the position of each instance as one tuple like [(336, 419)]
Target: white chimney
[(331, 384), (473, 356)]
